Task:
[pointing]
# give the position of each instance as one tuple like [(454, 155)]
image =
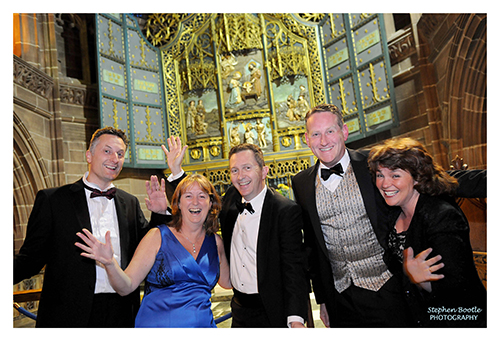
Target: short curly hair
[(410, 155), (211, 224), (107, 131)]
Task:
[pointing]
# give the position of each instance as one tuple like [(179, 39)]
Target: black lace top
[(397, 243)]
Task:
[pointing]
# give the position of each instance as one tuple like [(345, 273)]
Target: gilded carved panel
[(233, 78), (220, 79)]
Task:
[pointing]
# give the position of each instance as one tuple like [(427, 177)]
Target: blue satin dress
[(178, 287)]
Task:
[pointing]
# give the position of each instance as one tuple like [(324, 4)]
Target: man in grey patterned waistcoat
[(345, 232), (345, 229)]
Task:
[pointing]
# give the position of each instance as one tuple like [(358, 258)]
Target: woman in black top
[(429, 244)]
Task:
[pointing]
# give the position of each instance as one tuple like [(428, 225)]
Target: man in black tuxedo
[(263, 242), (76, 291), (345, 229)]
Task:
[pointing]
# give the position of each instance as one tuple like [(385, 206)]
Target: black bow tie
[(110, 193), (241, 207), (326, 172)]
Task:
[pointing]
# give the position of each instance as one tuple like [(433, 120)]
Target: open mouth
[(244, 183), (390, 193), (195, 210), (327, 149), (111, 167)]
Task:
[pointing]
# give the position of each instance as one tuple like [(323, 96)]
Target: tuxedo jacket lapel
[(365, 183), (375, 206), (309, 190), (81, 208), (81, 212), (228, 216), (123, 227), (264, 231)]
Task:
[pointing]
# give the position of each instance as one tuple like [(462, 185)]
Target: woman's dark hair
[(410, 155), (211, 224)]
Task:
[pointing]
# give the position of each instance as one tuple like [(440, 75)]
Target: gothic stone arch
[(466, 91), (29, 176)]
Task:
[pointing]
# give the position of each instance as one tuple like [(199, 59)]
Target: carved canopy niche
[(234, 78)]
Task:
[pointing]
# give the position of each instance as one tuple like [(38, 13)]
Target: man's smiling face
[(106, 160), (326, 137), (246, 174)]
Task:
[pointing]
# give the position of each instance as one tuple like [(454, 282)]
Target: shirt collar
[(258, 201), (344, 161), (93, 185)]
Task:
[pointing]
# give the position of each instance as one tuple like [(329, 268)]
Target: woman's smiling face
[(396, 186), (194, 204)]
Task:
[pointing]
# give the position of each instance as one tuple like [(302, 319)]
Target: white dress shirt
[(103, 218), (243, 262)]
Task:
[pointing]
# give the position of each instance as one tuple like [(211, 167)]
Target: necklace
[(194, 246)]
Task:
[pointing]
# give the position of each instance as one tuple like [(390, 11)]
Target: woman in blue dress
[(181, 263)]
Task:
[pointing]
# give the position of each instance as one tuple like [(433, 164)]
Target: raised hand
[(419, 270), (157, 198), (94, 249), (174, 153)]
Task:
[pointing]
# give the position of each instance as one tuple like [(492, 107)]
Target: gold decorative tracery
[(160, 28), (197, 68), (288, 53), (238, 32), (193, 48)]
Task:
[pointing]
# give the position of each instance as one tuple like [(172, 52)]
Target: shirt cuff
[(294, 318), (173, 177)]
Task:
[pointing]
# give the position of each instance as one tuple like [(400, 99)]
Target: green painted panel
[(149, 125), (343, 95), (130, 88), (358, 73), (146, 87), (373, 83), (113, 78)]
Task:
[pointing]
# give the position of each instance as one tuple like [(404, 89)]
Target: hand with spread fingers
[(420, 270), (96, 250), (175, 154), (157, 199)]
